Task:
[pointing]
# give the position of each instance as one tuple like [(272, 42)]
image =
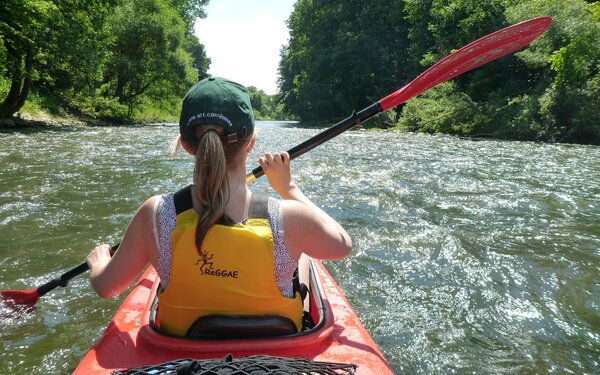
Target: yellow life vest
[(234, 274)]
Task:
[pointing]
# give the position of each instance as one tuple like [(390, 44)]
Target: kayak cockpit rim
[(319, 309)]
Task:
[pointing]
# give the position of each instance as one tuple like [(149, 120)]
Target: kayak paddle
[(30, 297), (479, 52)]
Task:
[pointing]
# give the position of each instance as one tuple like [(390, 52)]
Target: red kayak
[(132, 340)]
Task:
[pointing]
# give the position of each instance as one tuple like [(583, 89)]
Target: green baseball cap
[(217, 101)]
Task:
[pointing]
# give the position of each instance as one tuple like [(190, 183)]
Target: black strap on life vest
[(258, 208), (298, 286), (183, 200)]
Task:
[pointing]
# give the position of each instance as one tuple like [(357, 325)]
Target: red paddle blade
[(19, 297), (479, 52)]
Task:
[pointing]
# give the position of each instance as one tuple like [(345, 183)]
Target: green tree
[(100, 57), (265, 106), (18, 34), (47, 40), (547, 91), (189, 11), (421, 40), (200, 62), (148, 51), (445, 109), (71, 67), (299, 64), (569, 104), (342, 55)]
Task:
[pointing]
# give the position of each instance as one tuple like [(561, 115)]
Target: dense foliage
[(265, 106), (113, 59), (134, 59), (346, 54)]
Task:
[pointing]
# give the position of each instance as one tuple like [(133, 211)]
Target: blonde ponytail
[(211, 186)]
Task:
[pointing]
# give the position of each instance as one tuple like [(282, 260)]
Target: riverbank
[(44, 119)]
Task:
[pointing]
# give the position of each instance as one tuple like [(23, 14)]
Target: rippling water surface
[(469, 256)]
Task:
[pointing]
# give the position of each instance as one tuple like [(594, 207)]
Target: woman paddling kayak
[(219, 249)]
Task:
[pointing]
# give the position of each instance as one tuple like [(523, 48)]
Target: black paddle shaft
[(63, 280), (331, 132)]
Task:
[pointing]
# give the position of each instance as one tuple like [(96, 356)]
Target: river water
[(469, 256)]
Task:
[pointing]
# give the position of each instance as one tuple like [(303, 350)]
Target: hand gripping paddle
[(30, 297)]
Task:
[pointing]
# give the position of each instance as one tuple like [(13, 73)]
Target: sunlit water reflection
[(469, 256)]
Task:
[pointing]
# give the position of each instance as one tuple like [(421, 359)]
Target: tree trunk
[(7, 106), (27, 83), (119, 90), (19, 87)]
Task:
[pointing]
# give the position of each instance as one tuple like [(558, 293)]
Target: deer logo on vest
[(204, 258)]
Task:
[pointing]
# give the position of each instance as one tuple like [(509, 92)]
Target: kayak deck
[(130, 340)]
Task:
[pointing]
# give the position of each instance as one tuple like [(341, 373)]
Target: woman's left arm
[(111, 276)]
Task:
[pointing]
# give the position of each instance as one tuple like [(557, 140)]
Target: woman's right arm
[(110, 276), (307, 228)]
